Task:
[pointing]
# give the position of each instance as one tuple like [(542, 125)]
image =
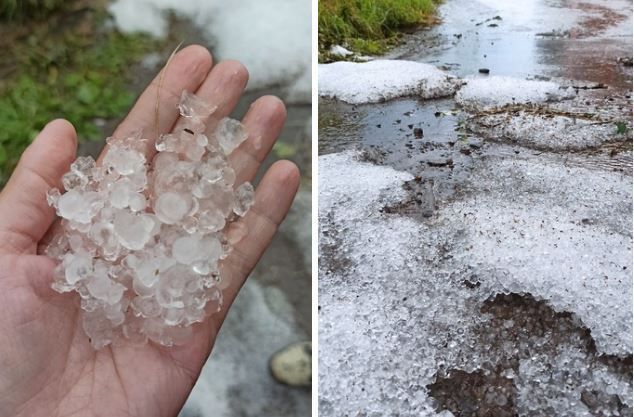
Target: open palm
[(47, 365)]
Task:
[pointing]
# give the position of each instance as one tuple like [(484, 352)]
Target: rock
[(474, 143), (440, 162), (292, 365), (418, 132)]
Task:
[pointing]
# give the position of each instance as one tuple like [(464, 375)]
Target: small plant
[(621, 128)]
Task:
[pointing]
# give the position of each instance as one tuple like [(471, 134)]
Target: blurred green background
[(61, 59)]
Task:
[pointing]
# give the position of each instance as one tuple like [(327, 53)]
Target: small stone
[(293, 365)]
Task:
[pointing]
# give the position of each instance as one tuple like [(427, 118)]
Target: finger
[(273, 199), (222, 90), (25, 215), (186, 71), (264, 122)]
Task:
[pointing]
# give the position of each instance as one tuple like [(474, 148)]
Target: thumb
[(24, 213)]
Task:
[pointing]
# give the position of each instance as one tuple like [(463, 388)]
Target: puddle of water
[(427, 139), (408, 134), (471, 38)]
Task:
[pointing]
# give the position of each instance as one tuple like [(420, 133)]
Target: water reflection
[(558, 38)]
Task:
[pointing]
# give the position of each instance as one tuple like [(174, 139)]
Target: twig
[(160, 85)]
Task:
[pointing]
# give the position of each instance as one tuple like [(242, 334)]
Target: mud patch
[(601, 404), (520, 333), (526, 332), (420, 201), (479, 393), (535, 328), (598, 20), (333, 260), (593, 130)]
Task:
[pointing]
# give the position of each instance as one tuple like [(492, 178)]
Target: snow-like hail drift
[(141, 242)]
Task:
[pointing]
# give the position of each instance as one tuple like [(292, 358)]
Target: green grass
[(369, 26), (621, 128), (18, 10), (77, 76)]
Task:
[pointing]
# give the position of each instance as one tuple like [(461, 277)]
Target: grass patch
[(79, 73), (369, 26), (19, 10), (621, 128)]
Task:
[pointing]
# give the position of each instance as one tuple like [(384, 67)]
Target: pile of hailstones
[(141, 242)]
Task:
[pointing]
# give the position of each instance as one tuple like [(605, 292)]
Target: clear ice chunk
[(78, 207), (170, 207), (134, 231), (192, 106), (230, 133), (187, 249), (244, 199)]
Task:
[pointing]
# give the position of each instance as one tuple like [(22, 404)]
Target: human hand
[(47, 365)]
